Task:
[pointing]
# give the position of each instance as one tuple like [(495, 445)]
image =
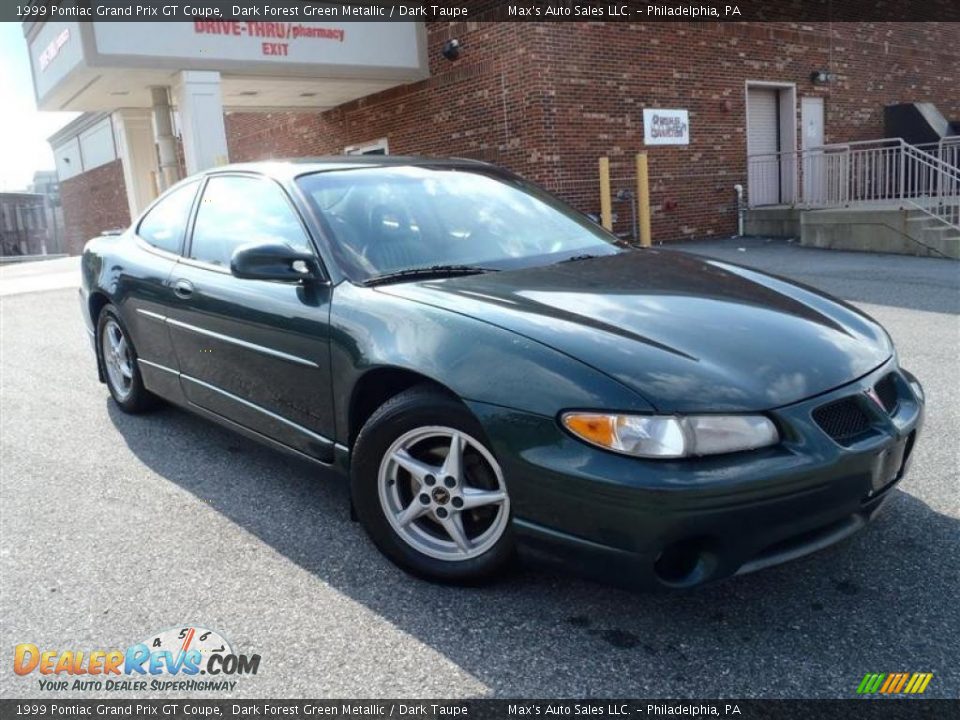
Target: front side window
[(389, 219), (236, 211), (164, 225)]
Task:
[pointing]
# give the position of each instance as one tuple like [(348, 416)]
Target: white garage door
[(763, 173)]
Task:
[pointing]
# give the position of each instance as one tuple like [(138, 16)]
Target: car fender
[(476, 360)]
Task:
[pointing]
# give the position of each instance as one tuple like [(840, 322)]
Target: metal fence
[(946, 149), (871, 172)]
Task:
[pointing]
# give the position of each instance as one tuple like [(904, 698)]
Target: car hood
[(688, 334)]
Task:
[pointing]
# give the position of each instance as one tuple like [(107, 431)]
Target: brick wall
[(488, 105), (93, 202), (548, 99), (611, 71)]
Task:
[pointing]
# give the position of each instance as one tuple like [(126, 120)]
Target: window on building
[(238, 210), (376, 147), (164, 225)]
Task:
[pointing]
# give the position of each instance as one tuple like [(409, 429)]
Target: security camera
[(451, 49)]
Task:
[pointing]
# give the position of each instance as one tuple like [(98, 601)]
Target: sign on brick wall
[(665, 127)]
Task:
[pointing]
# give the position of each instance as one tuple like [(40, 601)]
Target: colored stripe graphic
[(901, 682), (891, 681), (922, 680), (894, 683), (870, 683)]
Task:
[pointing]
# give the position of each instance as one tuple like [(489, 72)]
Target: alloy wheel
[(443, 493), (117, 358)]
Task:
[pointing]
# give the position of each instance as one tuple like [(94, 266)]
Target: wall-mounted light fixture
[(821, 77), (451, 49)]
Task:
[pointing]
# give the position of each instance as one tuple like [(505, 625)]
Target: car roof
[(289, 168)]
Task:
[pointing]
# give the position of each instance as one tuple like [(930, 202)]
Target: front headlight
[(672, 436)]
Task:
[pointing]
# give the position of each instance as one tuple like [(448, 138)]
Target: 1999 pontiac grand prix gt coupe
[(493, 371)]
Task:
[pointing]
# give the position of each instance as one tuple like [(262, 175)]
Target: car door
[(255, 352), (143, 292)]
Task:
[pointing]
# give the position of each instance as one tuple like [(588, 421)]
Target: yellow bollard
[(606, 209), (643, 199)]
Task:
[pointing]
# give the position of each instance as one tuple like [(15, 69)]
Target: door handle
[(183, 289)]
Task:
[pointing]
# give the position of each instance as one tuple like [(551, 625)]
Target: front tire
[(118, 357), (428, 490)]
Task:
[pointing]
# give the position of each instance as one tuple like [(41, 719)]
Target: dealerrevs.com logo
[(184, 653)]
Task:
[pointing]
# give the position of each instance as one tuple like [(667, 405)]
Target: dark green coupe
[(496, 373)]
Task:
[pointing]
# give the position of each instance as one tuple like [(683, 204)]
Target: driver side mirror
[(274, 261)]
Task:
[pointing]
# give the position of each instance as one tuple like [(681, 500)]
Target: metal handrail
[(861, 172), (944, 202), (946, 140)]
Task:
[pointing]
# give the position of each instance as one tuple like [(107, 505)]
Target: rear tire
[(428, 490), (118, 358)]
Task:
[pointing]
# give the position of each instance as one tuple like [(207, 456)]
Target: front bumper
[(649, 524)]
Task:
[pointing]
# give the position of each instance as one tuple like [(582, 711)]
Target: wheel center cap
[(440, 496)]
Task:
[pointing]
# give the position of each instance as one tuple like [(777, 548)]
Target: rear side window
[(237, 210), (164, 226)]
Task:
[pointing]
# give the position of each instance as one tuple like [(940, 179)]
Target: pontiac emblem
[(872, 394)]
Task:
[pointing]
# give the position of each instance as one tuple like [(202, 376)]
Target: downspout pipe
[(738, 189)]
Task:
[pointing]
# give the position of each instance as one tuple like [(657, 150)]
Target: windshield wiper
[(437, 271), (586, 256)]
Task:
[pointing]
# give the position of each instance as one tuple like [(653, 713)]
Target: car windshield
[(385, 220)]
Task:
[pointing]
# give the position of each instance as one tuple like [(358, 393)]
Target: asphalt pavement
[(114, 527)]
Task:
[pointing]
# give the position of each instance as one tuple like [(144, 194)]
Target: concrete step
[(941, 237), (914, 215), (891, 228), (909, 231), (944, 240), (922, 222), (950, 251)]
